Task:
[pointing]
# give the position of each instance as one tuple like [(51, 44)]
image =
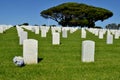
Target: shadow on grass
[(40, 59)]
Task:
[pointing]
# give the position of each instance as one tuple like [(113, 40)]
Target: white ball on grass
[(18, 60)]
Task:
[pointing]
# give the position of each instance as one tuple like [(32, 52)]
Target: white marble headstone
[(56, 38), (30, 51), (36, 29), (83, 33), (1, 29), (109, 39), (88, 51), (23, 36), (96, 32), (117, 35), (64, 33), (43, 32), (101, 35)]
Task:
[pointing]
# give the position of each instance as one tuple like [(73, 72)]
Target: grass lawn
[(59, 62)]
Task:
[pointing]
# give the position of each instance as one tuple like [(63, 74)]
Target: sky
[(14, 12)]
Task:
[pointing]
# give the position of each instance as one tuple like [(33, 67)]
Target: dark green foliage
[(25, 24), (36, 25), (119, 25), (44, 25), (76, 14), (112, 26), (99, 27)]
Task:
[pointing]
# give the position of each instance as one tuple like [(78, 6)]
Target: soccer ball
[(18, 61)]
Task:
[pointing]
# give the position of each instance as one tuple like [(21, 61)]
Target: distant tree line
[(112, 26), (25, 24)]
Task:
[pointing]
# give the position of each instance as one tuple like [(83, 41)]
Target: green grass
[(60, 62)]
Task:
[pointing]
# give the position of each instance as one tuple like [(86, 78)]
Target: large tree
[(76, 14)]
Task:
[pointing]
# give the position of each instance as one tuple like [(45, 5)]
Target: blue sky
[(15, 12)]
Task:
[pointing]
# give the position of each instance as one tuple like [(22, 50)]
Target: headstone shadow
[(40, 59)]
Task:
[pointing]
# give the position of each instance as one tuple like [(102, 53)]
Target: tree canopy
[(113, 26), (76, 14), (25, 24)]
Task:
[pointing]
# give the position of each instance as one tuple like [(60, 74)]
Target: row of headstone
[(30, 51), (93, 31), (97, 32), (30, 46), (73, 29), (88, 47), (59, 29), (23, 35), (111, 34), (37, 29), (44, 31), (116, 33), (34, 29), (28, 27), (56, 33), (101, 32), (3, 28), (56, 29)]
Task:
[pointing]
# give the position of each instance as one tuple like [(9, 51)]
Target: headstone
[(64, 33), (101, 35), (19, 30), (1, 29), (43, 32), (23, 36), (83, 33), (96, 32), (53, 30), (36, 29), (72, 29), (33, 29), (30, 51), (56, 38), (109, 39), (117, 35), (88, 51)]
